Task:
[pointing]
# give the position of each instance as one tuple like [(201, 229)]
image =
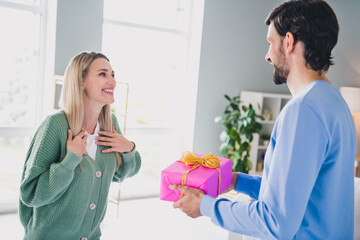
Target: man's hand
[(234, 179), (190, 203)]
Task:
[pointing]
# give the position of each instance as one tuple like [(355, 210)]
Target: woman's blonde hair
[(72, 96)]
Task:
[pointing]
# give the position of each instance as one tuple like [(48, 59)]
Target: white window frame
[(194, 36), (44, 83)]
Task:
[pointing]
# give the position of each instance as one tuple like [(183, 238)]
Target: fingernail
[(171, 187)]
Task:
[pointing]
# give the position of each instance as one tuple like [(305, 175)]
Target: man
[(307, 187)]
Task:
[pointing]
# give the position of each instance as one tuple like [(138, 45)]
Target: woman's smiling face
[(99, 83)]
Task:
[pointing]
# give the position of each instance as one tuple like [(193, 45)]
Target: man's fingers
[(177, 204), (181, 188)]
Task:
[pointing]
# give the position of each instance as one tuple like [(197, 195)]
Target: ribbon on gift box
[(207, 160)]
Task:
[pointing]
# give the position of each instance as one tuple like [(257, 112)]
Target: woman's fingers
[(104, 143), (108, 134), (105, 139), (108, 150), (77, 144), (69, 134)]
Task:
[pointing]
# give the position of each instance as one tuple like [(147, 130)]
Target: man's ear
[(289, 42)]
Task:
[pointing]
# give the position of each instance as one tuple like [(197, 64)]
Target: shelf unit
[(263, 102)]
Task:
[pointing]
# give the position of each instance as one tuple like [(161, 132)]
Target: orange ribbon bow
[(207, 160)]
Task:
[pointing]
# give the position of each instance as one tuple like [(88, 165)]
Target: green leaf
[(224, 149), (219, 119), (251, 113), (236, 155), (223, 136), (233, 133), (244, 146), (248, 165), (227, 97), (244, 108), (242, 130), (234, 106), (257, 127), (249, 136), (236, 98)]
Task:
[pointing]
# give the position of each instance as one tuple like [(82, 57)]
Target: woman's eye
[(113, 75), (102, 74)]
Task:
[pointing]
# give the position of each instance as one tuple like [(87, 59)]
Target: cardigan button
[(92, 206), (84, 238), (98, 174)]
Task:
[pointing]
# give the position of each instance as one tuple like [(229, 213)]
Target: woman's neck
[(91, 116)]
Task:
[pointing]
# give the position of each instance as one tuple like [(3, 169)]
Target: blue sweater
[(307, 187)]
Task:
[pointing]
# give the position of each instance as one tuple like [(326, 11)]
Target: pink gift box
[(203, 178)]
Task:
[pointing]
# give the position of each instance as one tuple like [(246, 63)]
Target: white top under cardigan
[(90, 142)]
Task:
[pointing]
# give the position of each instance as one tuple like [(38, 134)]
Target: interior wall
[(233, 52), (78, 28)]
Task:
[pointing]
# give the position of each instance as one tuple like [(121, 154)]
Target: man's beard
[(280, 75), (281, 72)]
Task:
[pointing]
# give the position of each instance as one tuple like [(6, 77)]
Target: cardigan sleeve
[(46, 177), (130, 162)]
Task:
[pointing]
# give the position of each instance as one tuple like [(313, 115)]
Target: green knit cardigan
[(60, 200)]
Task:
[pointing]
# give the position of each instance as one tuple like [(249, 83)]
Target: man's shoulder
[(317, 95)]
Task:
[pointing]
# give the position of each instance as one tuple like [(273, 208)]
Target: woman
[(70, 163)]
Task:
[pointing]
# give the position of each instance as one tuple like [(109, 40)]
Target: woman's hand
[(78, 144), (115, 141)]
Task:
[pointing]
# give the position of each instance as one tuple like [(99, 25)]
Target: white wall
[(233, 53)]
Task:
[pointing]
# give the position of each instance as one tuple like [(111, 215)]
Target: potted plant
[(265, 138), (240, 124)]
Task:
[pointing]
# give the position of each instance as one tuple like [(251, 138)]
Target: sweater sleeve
[(130, 162), (248, 184), (299, 148), (46, 177)]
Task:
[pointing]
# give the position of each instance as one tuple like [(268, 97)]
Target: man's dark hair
[(314, 23)]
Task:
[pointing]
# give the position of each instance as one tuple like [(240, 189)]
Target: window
[(154, 46), (25, 25)]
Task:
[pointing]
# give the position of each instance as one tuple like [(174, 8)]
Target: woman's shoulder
[(113, 117), (56, 120)]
